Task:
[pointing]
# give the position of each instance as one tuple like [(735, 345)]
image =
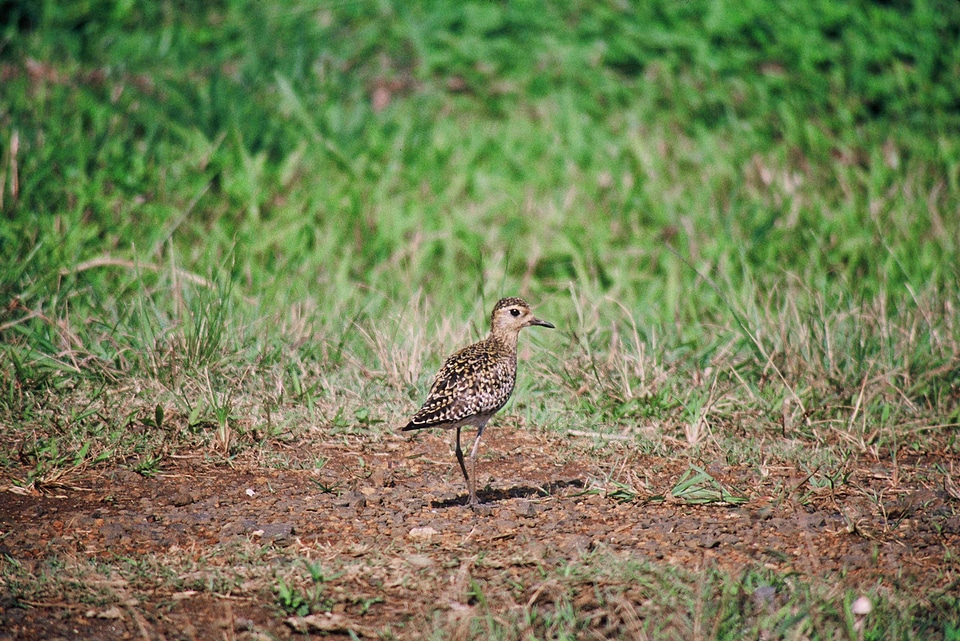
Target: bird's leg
[(472, 481), (463, 468)]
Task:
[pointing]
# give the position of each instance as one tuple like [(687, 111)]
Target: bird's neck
[(505, 340)]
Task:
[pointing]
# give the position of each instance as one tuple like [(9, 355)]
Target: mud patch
[(387, 525)]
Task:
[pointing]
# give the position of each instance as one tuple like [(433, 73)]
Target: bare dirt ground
[(402, 554)]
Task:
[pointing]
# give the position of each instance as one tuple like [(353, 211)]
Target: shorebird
[(474, 383)]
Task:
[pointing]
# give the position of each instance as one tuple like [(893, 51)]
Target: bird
[(476, 382)]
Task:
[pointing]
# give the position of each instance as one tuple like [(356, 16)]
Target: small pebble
[(526, 509), (763, 596), (862, 606), (422, 533)]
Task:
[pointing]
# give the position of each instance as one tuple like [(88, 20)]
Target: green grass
[(604, 593), (614, 598), (222, 222)]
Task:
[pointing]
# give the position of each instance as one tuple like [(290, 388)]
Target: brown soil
[(387, 518)]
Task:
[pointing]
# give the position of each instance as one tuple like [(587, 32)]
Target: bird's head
[(510, 315)]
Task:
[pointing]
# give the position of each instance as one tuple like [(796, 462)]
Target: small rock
[(861, 606), (276, 532), (578, 543), (763, 596), (182, 498), (526, 509), (708, 541), (352, 498), (716, 466), (419, 561), (126, 477), (237, 528), (414, 504), (764, 513), (241, 624), (327, 622), (951, 525), (483, 509), (422, 533)]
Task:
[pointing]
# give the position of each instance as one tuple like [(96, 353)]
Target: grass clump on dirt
[(244, 235)]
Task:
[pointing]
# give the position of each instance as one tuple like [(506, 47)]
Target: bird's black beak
[(542, 323)]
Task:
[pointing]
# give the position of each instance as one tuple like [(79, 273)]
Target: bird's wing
[(469, 383)]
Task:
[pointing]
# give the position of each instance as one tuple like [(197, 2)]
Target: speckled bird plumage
[(475, 382), (478, 380)]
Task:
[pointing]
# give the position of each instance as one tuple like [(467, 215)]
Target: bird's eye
[(514, 312)]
